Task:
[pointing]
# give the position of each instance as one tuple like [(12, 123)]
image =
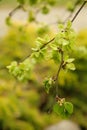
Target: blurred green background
[(24, 106)]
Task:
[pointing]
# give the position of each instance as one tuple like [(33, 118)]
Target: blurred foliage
[(70, 5), (20, 102), (24, 106)]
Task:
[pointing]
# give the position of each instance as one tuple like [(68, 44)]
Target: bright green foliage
[(70, 66), (70, 60), (66, 35), (64, 38), (21, 71)]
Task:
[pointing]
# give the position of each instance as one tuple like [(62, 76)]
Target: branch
[(78, 11), (71, 13), (14, 10), (62, 57), (56, 79), (20, 6), (43, 46)]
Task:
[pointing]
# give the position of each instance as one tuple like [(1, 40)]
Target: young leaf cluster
[(21, 71), (63, 108)]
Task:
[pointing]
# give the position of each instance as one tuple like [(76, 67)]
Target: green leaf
[(56, 56), (12, 65), (64, 42), (61, 26), (69, 107), (70, 66), (59, 110), (69, 24), (70, 60), (48, 84)]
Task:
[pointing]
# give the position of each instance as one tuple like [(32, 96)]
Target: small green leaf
[(61, 26), (48, 84), (12, 65), (69, 24), (59, 110), (64, 42), (70, 66), (70, 60), (56, 56), (69, 107)]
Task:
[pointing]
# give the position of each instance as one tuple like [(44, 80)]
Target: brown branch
[(56, 79), (43, 46), (14, 10), (78, 11), (71, 13), (47, 43)]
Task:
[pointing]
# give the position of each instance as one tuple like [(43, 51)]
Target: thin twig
[(59, 69), (43, 46), (71, 13), (14, 10), (78, 11)]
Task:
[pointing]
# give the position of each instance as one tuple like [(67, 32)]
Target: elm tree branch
[(56, 78), (15, 9), (78, 11), (43, 46)]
